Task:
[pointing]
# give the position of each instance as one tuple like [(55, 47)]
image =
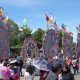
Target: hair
[(30, 69), (68, 70), (54, 69), (43, 74), (42, 71)]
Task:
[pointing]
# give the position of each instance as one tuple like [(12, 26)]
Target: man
[(74, 64)]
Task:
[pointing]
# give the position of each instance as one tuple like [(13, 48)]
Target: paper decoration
[(67, 45), (78, 44), (51, 44), (29, 48), (4, 42)]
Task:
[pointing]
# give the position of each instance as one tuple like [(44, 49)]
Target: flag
[(48, 21), (64, 29), (63, 26), (47, 18), (55, 26), (51, 22), (52, 19)]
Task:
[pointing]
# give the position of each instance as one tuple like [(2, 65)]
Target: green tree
[(74, 47), (60, 35), (38, 37), (14, 39), (25, 33), (17, 36)]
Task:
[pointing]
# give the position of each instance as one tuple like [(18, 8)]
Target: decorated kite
[(78, 41), (50, 46), (4, 37), (67, 41)]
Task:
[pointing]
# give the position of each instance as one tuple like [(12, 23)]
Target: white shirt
[(60, 76), (27, 76)]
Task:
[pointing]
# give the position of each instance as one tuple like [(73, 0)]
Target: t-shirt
[(74, 63), (27, 76)]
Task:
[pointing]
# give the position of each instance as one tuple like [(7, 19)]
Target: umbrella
[(42, 65), (5, 73), (36, 63)]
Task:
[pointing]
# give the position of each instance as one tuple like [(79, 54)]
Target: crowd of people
[(60, 69), (13, 66)]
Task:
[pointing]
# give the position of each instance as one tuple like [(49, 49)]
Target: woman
[(66, 73), (29, 73), (43, 74), (52, 74), (15, 75)]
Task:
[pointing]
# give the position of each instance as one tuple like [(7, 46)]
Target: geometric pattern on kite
[(29, 48), (4, 42), (78, 44), (51, 44), (67, 45)]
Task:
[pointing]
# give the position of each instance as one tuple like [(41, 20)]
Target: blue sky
[(64, 11)]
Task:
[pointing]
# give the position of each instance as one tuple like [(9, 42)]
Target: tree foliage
[(60, 35), (38, 37), (16, 37), (74, 47)]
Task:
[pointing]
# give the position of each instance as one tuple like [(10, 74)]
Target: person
[(14, 69), (17, 58), (1, 62), (43, 74), (14, 72), (29, 73), (66, 73), (59, 73), (52, 74), (55, 70), (74, 65), (21, 64), (5, 62), (69, 62)]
